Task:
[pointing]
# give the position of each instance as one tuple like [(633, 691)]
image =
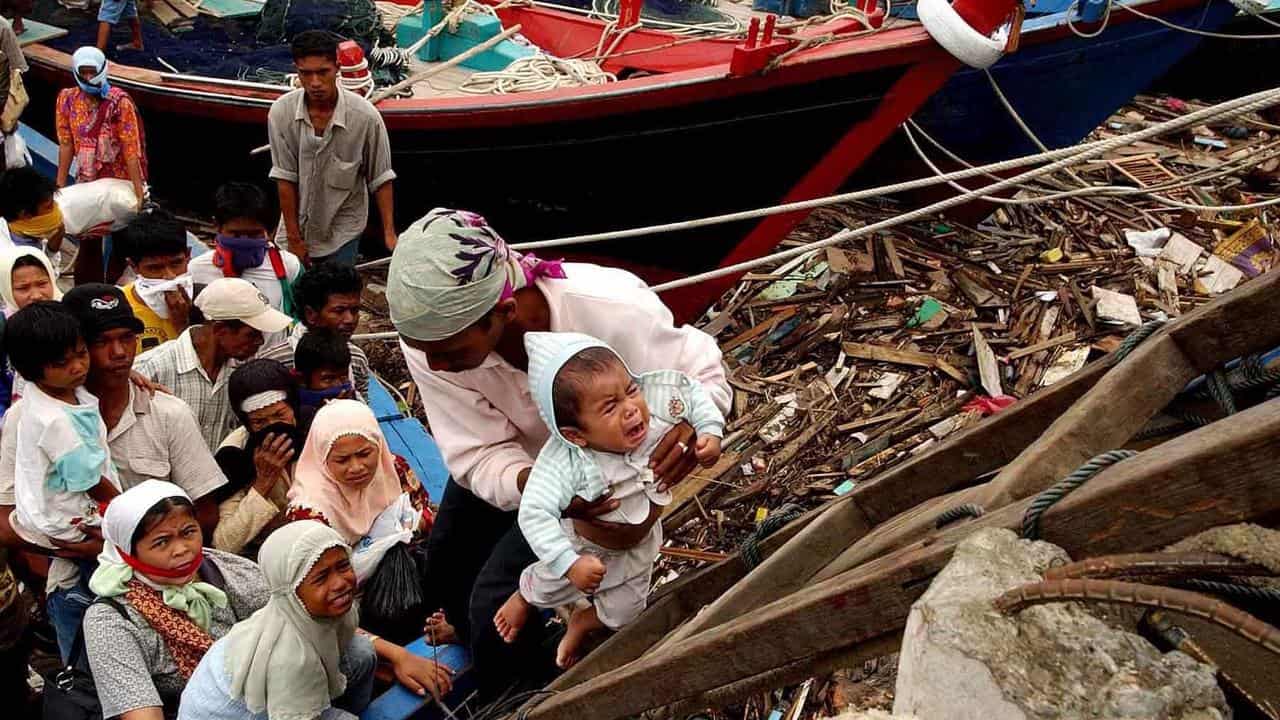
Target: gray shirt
[(335, 172), (132, 667), (10, 48)]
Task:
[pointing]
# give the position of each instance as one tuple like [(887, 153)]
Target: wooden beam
[(881, 353), (1222, 473)]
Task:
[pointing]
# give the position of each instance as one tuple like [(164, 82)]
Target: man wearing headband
[(150, 436), (462, 302)]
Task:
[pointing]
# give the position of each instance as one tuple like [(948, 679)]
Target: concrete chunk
[(963, 660)]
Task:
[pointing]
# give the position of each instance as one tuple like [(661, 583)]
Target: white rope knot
[(960, 39)]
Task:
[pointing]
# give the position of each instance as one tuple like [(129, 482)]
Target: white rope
[(1238, 106), (535, 73), (1193, 31), (1106, 18), (958, 37)]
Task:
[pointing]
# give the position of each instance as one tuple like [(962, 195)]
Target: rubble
[(1047, 662)]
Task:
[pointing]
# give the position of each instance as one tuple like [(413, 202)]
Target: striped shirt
[(176, 365)]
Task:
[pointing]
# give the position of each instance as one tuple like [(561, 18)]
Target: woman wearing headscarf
[(348, 478), (301, 657), (99, 127), (462, 302), (25, 277), (167, 598), (258, 457)]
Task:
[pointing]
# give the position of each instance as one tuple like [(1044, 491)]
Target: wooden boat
[(697, 126)]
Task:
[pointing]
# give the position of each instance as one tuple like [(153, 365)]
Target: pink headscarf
[(347, 510)]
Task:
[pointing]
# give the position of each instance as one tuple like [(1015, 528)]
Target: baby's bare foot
[(439, 631), (582, 623), (511, 617)]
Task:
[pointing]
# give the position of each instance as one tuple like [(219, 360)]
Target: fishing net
[(357, 20), (393, 602)]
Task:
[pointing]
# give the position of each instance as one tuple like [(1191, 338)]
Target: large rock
[(963, 660)]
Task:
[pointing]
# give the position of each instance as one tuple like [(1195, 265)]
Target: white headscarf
[(282, 660), (7, 259)]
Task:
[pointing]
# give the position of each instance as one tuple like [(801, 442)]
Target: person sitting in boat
[(29, 210), (329, 151), (462, 302), (604, 422), (258, 457), (348, 479), (323, 364), (243, 249), (301, 655), (197, 365), (328, 298), (99, 127), (155, 246)]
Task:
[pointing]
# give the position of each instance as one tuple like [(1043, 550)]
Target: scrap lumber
[(1222, 473)]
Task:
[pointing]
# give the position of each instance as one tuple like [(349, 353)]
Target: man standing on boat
[(329, 152)]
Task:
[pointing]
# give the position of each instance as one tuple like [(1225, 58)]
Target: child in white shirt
[(63, 474)]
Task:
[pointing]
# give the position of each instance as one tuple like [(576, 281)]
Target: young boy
[(243, 249), (63, 468), (155, 246), (27, 206), (605, 422), (323, 364)]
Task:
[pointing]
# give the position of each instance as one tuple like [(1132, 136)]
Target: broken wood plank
[(1041, 346), (1140, 504), (988, 367), (876, 420), (758, 330), (881, 353)]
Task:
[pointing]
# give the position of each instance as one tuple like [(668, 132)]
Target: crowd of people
[(186, 439)]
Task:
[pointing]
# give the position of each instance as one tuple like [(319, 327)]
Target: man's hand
[(83, 550), (580, 509), (673, 458), (389, 239), (179, 307), (297, 247), (586, 573), (421, 675), (270, 461), (145, 384), (707, 450)]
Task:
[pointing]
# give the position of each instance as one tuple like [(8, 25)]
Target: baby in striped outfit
[(605, 421)]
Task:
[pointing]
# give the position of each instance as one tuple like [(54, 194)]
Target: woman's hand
[(617, 536), (419, 674), (673, 458), (271, 462)]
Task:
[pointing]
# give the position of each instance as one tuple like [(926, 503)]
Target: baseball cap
[(237, 299), (100, 307)]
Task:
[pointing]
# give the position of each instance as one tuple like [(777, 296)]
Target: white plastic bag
[(394, 525), (15, 152), (108, 202)]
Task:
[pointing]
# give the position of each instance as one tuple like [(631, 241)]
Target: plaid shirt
[(176, 366)]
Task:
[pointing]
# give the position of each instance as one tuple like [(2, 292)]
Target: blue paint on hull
[(1062, 89)]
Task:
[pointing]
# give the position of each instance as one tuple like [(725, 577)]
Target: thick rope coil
[(1239, 591), (958, 512), (1136, 337), (1220, 390), (1046, 499), (750, 547)]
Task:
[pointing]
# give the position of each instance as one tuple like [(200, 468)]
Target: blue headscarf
[(91, 57)]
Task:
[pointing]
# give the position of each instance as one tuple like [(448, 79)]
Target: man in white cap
[(197, 365), (462, 302)]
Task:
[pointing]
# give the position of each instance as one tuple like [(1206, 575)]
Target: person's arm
[(191, 465), (121, 673), (418, 674), (386, 211), (377, 158), (481, 447), (131, 144), (66, 141), (284, 170), (241, 518), (546, 495)]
